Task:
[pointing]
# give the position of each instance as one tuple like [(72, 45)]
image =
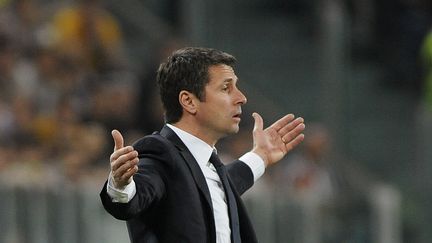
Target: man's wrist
[(116, 185), (261, 154), (121, 195), (255, 163)]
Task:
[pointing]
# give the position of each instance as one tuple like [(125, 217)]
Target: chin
[(235, 130), (227, 132)]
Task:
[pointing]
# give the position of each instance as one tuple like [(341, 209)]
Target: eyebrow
[(231, 80)]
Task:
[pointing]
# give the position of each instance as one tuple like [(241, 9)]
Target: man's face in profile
[(220, 110)]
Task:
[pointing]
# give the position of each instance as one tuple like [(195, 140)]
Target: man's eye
[(225, 88)]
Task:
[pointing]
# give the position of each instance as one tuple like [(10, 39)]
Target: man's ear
[(188, 101)]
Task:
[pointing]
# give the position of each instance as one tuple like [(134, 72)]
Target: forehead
[(221, 73)]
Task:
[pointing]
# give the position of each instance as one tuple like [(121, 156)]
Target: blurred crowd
[(65, 82)]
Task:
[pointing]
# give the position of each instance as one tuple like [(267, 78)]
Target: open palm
[(274, 142)]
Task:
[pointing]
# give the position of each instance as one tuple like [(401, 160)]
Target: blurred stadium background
[(358, 71)]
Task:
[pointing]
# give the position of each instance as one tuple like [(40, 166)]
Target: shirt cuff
[(255, 162), (123, 195)]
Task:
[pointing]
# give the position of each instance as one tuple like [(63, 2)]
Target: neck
[(197, 131)]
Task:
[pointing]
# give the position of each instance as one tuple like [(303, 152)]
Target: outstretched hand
[(123, 161), (274, 142)]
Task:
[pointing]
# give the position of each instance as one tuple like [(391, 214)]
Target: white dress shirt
[(201, 151)]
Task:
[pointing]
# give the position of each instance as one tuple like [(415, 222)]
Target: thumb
[(259, 124), (118, 139)]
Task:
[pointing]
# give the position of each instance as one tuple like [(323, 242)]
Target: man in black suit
[(170, 186)]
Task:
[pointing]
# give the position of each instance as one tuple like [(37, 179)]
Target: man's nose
[(241, 98)]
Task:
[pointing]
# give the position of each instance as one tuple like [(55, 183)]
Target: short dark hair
[(187, 69)]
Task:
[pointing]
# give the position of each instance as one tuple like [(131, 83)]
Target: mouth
[(237, 116)]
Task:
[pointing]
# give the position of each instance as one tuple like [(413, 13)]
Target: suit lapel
[(190, 161)]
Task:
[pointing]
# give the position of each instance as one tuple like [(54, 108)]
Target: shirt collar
[(199, 149)]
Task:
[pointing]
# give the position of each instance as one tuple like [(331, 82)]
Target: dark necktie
[(232, 205)]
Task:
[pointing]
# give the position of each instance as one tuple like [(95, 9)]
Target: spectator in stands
[(426, 54), (89, 33), (23, 22)]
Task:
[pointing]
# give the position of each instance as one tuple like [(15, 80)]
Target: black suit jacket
[(172, 203)]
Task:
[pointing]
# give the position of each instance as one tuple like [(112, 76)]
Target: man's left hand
[(274, 142)]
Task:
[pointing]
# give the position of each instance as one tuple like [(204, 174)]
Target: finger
[(123, 159), (293, 133), (259, 123), (296, 141), (116, 164), (116, 154), (118, 139), (126, 176), (125, 168), (282, 122), (290, 126)]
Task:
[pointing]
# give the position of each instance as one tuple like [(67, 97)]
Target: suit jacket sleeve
[(153, 168), (241, 176)]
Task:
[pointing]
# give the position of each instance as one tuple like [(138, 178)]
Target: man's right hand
[(124, 162)]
